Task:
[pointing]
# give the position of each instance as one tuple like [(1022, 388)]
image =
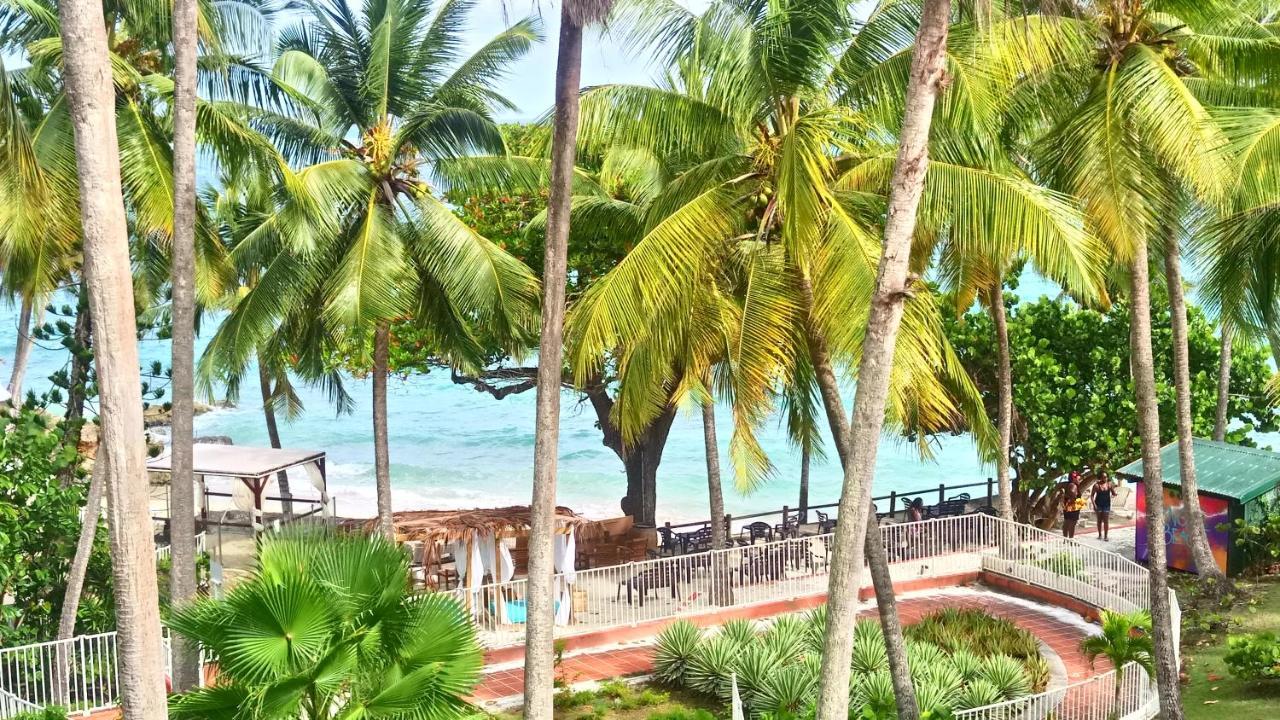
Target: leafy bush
[(1254, 657), (1259, 536), (959, 659), (39, 527), (48, 713), (682, 714)]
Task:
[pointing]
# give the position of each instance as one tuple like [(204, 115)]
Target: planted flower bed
[(959, 659)]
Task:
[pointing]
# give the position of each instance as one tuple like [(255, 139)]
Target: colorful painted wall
[(1176, 539)]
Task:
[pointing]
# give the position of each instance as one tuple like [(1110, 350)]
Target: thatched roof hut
[(457, 525)]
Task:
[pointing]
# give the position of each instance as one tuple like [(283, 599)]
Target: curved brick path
[(1061, 636)]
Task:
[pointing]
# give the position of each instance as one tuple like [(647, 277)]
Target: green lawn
[(1211, 693)]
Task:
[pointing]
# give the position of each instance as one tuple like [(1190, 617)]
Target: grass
[(616, 700), (1211, 693)]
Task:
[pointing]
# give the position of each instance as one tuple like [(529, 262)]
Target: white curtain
[(566, 575), (317, 482), (470, 568)]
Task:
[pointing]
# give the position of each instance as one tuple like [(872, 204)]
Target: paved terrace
[(1059, 631)]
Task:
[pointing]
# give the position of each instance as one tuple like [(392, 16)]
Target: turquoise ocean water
[(452, 447)]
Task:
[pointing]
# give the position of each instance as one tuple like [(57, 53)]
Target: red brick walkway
[(1062, 637)]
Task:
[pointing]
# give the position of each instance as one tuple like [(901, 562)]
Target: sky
[(531, 85)]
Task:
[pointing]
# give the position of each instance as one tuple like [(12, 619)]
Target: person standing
[(1072, 504), (1103, 491)]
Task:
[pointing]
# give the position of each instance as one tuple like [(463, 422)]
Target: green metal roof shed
[(1232, 481), (1231, 471)]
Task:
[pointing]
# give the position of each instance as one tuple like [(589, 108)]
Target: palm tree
[(1125, 639), (1128, 134), (182, 573), (91, 102), (358, 239), (539, 640), (1198, 538), (327, 628)]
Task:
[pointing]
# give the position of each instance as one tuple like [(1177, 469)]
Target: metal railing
[(163, 551), (80, 674), (682, 585), (889, 506)]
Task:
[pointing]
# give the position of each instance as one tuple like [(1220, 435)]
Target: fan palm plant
[(1128, 133), (327, 628), (1125, 640), (359, 239)]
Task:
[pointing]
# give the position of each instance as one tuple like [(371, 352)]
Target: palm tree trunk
[(22, 351), (1273, 340), (75, 578), (1144, 382), (714, 490), (1224, 382), (1004, 415), (721, 592), (928, 71), (381, 453), (1206, 565), (91, 99), (804, 483), (539, 657), (273, 433), (877, 559), (182, 528), (890, 623)]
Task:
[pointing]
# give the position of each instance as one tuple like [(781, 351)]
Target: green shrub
[(682, 714), (1254, 657), (675, 647), (958, 658), (1063, 563), (1007, 675), (978, 693), (48, 713), (712, 666)]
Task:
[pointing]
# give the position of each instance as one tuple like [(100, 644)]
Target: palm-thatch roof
[(452, 525)]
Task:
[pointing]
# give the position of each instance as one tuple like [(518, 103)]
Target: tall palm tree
[(861, 441), (1128, 135), (359, 239), (1197, 535), (539, 641), (182, 540), (91, 101)]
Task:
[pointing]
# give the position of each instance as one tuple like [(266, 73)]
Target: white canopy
[(239, 461), (254, 467)]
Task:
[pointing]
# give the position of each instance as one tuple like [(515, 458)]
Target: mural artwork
[(1177, 541)]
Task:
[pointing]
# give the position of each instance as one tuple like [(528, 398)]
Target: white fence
[(635, 593), (640, 592), (163, 551)]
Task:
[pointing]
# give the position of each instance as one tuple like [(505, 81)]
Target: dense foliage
[(959, 660), (39, 526), (1072, 392), (1259, 536), (327, 628), (1254, 657)]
